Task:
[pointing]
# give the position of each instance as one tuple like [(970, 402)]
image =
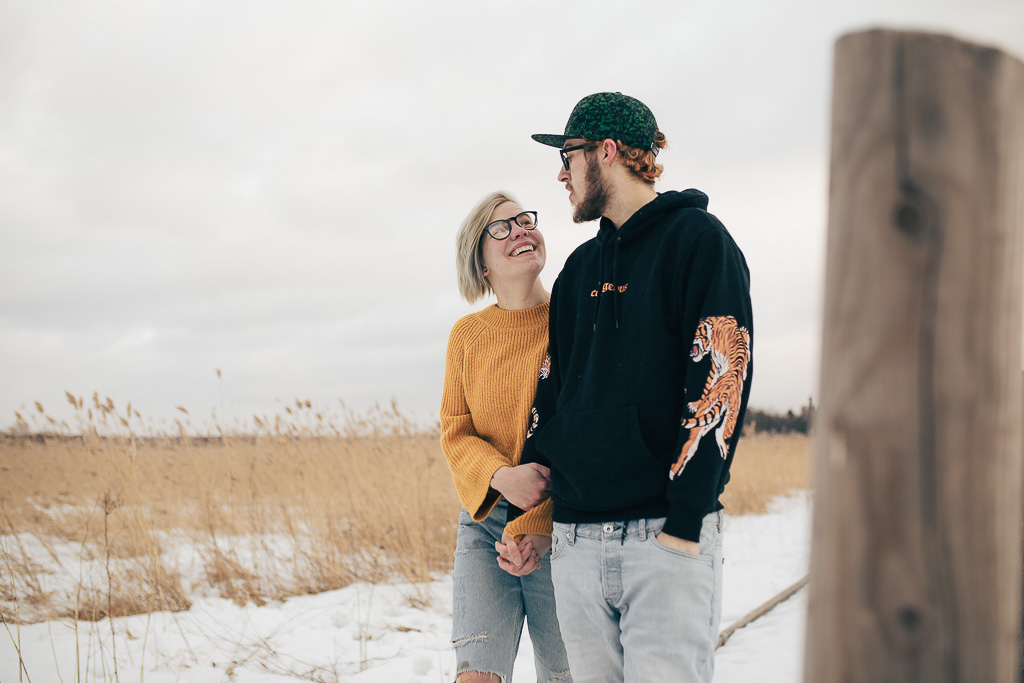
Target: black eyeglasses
[(499, 230), (564, 152)]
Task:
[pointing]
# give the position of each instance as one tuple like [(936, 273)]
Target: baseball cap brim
[(550, 140)]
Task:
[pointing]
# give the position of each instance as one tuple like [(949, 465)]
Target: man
[(640, 409)]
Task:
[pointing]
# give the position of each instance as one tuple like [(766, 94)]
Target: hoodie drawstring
[(615, 280), (616, 304), (600, 279)]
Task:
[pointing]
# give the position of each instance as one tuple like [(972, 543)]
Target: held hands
[(520, 559), (524, 485)]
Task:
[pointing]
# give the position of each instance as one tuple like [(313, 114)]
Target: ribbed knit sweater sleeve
[(491, 369)]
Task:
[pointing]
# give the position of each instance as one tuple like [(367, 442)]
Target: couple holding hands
[(597, 423)]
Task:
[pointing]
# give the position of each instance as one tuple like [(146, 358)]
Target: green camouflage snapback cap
[(607, 115)]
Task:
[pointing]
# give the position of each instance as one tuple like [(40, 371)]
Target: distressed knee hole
[(470, 639), (560, 676)]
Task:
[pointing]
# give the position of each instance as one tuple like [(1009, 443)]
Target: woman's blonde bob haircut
[(469, 257)]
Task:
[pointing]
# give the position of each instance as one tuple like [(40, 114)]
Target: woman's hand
[(524, 485), (520, 559)]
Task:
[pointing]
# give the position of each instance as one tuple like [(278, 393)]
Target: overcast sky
[(272, 189)]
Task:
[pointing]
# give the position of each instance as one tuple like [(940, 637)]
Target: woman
[(493, 362)]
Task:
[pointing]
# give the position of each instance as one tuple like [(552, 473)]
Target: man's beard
[(593, 204)]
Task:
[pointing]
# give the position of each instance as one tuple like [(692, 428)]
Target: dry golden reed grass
[(765, 467), (93, 522)]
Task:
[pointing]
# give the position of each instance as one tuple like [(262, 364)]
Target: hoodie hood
[(641, 221)]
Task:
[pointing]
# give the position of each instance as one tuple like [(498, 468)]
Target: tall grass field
[(105, 518)]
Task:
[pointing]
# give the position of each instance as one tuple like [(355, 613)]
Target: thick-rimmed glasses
[(499, 230), (564, 152)]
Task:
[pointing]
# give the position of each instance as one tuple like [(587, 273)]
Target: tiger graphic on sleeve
[(545, 372), (534, 419), (718, 407)]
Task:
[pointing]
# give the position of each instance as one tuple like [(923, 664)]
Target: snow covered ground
[(396, 632)]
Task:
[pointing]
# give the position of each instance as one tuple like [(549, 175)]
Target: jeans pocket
[(698, 557), (710, 536)]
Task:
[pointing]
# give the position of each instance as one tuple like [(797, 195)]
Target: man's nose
[(563, 175)]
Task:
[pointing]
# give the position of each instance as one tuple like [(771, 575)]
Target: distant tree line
[(765, 421)]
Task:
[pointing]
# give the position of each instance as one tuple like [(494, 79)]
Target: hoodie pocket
[(599, 459)]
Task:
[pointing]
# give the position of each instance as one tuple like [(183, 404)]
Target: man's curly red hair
[(640, 162)]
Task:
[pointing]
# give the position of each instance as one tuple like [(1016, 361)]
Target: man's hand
[(524, 486), (520, 559), (541, 543), (677, 543)]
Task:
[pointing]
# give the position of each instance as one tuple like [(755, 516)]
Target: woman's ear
[(486, 271)]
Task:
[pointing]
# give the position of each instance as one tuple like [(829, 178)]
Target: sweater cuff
[(537, 521), (683, 522), (481, 498)]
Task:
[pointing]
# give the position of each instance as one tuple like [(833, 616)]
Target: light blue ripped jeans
[(634, 610), (490, 604)]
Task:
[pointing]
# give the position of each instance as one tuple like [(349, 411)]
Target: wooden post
[(916, 556)]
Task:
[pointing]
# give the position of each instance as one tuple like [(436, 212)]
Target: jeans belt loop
[(642, 528), (571, 536)]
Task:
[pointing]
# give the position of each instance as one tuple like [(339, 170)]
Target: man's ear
[(609, 151)]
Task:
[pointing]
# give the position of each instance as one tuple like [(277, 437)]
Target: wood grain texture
[(916, 555)]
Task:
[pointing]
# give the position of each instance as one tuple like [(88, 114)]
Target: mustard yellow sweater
[(494, 359)]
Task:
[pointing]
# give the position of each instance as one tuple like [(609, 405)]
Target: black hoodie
[(640, 409)]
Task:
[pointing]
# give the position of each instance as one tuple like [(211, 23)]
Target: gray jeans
[(490, 605), (634, 610)]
